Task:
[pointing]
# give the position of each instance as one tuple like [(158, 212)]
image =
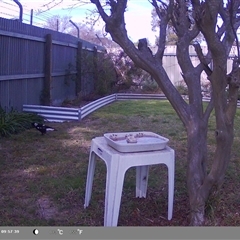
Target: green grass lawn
[(42, 178)]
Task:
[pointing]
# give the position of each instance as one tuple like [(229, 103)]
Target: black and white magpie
[(43, 128)]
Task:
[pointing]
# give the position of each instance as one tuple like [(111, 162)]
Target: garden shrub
[(13, 122)]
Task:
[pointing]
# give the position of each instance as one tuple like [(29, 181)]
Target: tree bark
[(199, 183), (196, 171)]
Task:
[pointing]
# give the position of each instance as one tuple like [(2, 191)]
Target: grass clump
[(13, 122)]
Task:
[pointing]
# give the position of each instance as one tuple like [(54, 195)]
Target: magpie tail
[(50, 129)]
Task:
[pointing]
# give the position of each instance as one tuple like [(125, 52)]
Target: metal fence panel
[(15, 93), (56, 114), (128, 96), (91, 107), (60, 114), (62, 89), (87, 74), (22, 64)]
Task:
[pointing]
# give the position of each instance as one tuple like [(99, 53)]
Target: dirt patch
[(46, 208)]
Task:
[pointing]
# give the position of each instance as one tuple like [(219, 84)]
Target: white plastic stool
[(117, 164)]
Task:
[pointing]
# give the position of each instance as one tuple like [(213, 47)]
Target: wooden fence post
[(79, 69), (46, 94)]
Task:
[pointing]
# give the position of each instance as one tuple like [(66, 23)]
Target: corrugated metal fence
[(58, 114), (26, 65), (61, 114)]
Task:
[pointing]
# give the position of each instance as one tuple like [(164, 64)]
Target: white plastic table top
[(117, 164)]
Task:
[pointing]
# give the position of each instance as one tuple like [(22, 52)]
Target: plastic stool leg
[(113, 221), (170, 189), (141, 181), (114, 186), (90, 175)]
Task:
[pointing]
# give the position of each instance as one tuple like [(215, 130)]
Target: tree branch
[(234, 76), (233, 5), (234, 85), (163, 13), (208, 110), (206, 18), (101, 11), (205, 60)]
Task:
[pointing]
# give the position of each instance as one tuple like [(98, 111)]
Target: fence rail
[(128, 96)]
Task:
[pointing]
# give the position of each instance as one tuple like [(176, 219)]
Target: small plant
[(182, 88), (12, 122), (212, 204)]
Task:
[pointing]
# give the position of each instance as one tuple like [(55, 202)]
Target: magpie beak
[(43, 128)]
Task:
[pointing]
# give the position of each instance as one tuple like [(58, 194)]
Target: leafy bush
[(149, 85), (97, 73), (12, 122)]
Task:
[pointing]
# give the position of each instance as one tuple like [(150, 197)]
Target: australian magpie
[(43, 128)]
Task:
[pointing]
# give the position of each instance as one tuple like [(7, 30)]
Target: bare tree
[(87, 31), (189, 18), (58, 23)]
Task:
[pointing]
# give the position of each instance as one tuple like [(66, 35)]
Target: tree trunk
[(196, 172), (200, 184)]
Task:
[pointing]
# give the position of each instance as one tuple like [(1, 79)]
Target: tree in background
[(58, 23), (87, 31), (189, 18)]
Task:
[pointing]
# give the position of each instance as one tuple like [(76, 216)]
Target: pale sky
[(137, 17)]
